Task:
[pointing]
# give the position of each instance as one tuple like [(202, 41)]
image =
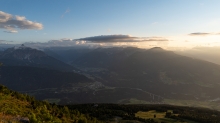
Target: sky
[(141, 23)]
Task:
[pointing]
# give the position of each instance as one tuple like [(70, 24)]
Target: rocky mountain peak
[(22, 53)]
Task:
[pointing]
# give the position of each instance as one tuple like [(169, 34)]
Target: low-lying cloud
[(5, 42), (11, 23), (66, 42), (119, 38), (2, 41), (199, 34), (203, 34), (102, 41)]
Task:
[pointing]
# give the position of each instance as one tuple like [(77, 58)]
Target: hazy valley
[(111, 75)]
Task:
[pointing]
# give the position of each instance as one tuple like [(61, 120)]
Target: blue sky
[(181, 23)]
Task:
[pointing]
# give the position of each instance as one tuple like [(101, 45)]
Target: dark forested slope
[(22, 78)]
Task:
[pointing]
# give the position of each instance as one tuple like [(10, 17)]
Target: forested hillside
[(16, 107), (149, 113), (22, 78)]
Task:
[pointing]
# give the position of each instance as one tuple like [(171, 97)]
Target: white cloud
[(67, 11), (65, 42), (11, 31), (11, 23), (5, 16), (20, 18)]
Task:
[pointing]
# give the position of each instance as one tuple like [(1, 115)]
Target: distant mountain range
[(155, 70), (109, 75), (210, 54), (26, 56)]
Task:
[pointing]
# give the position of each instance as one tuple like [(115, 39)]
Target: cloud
[(158, 39), (11, 31), (65, 42), (119, 38), (109, 38), (102, 41), (154, 23), (11, 23), (2, 41), (5, 42), (67, 11), (200, 34), (203, 34)]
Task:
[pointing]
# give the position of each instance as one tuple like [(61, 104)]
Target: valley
[(114, 75)]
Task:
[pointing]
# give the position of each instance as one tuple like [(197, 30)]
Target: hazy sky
[(143, 23)]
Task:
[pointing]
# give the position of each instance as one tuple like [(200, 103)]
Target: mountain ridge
[(26, 56)]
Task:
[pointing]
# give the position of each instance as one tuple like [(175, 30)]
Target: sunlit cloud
[(11, 23), (65, 42), (11, 31), (158, 39)]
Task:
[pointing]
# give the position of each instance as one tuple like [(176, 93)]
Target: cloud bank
[(119, 38), (102, 41), (11, 23), (66, 42)]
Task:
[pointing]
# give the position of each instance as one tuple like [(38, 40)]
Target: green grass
[(160, 117), (13, 105), (136, 101), (10, 105), (150, 114)]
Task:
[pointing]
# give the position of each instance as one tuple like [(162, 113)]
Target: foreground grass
[(15, 107), (150, 114), (11, 105), (160, 117)]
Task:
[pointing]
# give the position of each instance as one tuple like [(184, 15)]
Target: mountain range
[(109, 75), (26, 56), (175, 76)]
